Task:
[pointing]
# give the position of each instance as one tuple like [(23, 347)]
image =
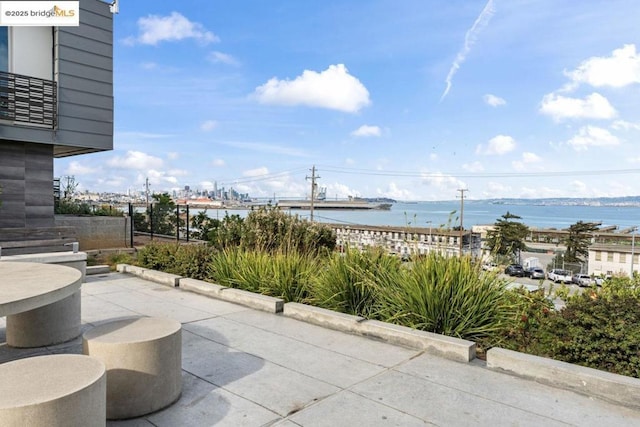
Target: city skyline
[(409, 100)]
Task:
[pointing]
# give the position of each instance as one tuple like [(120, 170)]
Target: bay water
[(436, 214)]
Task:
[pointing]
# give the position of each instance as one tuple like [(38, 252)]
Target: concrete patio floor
[(243, 367)]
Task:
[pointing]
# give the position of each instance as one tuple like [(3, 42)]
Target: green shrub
[(349, 282), (192, 261), (601, 332), (447, 295), (157, 256), (184, 260), (119, 258), (78, 207), (529, 311)]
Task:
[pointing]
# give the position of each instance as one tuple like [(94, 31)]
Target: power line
[(265, 177), (414, 174)]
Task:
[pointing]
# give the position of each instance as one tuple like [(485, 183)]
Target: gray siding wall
[(83, 69), (26, 175)]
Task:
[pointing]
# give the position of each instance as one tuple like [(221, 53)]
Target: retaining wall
[(99, 232)]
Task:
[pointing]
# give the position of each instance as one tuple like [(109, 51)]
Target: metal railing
[(29, 100)]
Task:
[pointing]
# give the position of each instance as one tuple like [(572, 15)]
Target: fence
[(163, 221)]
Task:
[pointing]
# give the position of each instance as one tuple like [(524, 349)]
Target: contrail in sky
[(469, 40)]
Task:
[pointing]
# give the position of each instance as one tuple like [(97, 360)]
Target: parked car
[(558, 275), (514, 270), (582, 280), (534, 273)]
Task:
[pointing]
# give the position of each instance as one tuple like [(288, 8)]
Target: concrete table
[(41, 303)]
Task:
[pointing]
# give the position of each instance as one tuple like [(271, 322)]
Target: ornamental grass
[(349, 282), (447, 295)]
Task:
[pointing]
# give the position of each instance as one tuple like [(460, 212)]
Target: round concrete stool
[(143, 357), (53, 390)]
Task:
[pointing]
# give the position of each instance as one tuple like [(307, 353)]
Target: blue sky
[(409, 99)]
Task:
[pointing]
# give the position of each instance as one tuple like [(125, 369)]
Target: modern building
[(56, 100)]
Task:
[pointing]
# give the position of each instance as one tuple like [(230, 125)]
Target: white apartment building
[(613, 260), (408, 241)]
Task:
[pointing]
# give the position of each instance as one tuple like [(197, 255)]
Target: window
[(610, 256), (598, 256), (623, 258), (4, 49)]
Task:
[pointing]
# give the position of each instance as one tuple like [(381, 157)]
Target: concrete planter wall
[(98, 232)]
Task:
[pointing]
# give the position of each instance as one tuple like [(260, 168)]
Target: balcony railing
[(28, 100)]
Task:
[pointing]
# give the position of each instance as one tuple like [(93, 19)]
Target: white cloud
[(178, 172), (154, 29), (223, 58), (76, 168), (620, 69), (469, 40), (256, 172), (497, 188), (393, 191), (624, 125), (366, 130), (498, 145), (494, 101), (349, 161), (447, 183), (135, 160), (208, 125), (473, 167), (528, 157), (594, 106), (592, 136), (341, 191), (333, 88), (173, 155), (634, 160), (218, 163), (433, 156)]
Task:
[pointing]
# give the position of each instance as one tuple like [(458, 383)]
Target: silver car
[(534, 273)]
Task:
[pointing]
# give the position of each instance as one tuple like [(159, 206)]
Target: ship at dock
[(321, 202)]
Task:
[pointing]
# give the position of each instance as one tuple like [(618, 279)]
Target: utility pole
[(313, 178), (633, 246), (461, 190), (146, 186)]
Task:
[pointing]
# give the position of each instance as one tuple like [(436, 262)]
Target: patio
[(246, 367)]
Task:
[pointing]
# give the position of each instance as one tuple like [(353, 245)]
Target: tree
[(507, 236), (201, 225), (163, 215), (577, 241)]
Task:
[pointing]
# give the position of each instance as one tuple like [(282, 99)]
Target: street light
[(429, 222), (563, 261)]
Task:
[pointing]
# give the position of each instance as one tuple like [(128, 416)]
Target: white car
[(557, 275), (583, 280)]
